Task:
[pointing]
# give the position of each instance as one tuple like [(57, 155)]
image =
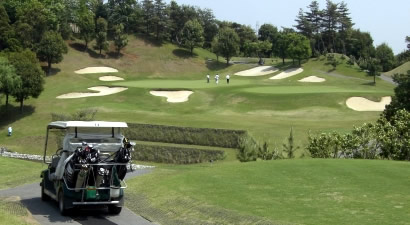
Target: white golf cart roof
[(67, 124)]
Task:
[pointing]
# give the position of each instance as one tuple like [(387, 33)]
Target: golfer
[(207, 78), (217, 79), (227, 78), (10, 130)]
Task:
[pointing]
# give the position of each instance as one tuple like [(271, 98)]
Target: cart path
[(47, 213)]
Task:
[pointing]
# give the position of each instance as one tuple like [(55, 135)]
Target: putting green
[(305, 90), (186, 84)]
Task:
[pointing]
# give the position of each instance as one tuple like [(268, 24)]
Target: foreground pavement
[(47, 213)]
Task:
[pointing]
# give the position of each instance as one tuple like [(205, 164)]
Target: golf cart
[(90, 167)]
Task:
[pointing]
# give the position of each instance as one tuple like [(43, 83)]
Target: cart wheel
[(61, 204), (114, 209), (44, 197)]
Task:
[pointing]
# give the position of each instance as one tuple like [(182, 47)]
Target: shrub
[(185, 135), (175, 155), (248, 149)]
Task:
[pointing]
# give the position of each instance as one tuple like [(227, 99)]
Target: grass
[(12, 212), (285, 191), (248, 103), (15, 172), (399, 70)]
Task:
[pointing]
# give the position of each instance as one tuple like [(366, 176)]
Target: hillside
[(266, 108), (400, 70)]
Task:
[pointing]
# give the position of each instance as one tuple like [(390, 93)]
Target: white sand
[(101, 91), (100, 69), (287, 73), (110, 78), (257, 71), (313, 79), (363, 104), (173, 96)]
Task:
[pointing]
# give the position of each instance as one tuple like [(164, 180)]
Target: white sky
[(387, 21)]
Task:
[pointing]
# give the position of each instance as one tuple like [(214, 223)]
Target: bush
[(248, 149), (185, 135), (176, 155)]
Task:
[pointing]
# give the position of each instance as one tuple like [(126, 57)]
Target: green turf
[(181, 84), (15, 172), (285, 90), (402, 69), (290, 191)]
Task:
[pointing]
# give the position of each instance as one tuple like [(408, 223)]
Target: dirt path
[(47, 213)]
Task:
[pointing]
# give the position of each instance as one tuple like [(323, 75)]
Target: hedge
[(184, 135), (176, 155)]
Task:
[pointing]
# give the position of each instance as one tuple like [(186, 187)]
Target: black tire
[(44, 196), (114, 209), (61, 203)]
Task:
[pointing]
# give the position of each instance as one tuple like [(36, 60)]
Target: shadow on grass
[(184, 54), (13, 114), (53, 71), (81, 47), (216, 65), (371, 83)]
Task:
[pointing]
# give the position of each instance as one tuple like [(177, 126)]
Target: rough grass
[(12, 212), (15, 172), (284, 191), (399, 70)]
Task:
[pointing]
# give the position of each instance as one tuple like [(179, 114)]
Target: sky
[(386, 21)]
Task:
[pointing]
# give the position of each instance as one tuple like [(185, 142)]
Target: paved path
[(47, 213)]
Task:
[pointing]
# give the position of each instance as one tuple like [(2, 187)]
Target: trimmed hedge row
[(176, 155), (184, 135)]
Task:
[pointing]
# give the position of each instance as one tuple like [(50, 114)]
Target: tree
[(386, 57), (148, 14), (51, 48), (120, 39), (192, 35), (87, 25), (374, 68), (9, 81), (299, 47), (263, 49), (228, 43), (208, 22), (101, 42), (330, 22), (290, 147), (32, 76), (268, 32), (280, 49), (401, 97), (215, 47), (4, 27), (160, 19)]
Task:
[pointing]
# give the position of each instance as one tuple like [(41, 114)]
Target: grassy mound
[(400, 70), (284, 191)]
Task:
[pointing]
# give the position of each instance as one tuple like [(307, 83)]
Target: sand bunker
[(313, 79), (287, 73), (100, 69), (110, 78), (173, 96), (257, 71), (100, 91), (363, 104)]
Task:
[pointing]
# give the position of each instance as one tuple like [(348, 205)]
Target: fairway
[(182, 84), (308, 90)]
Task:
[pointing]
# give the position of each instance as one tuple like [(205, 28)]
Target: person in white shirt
[(10, 130), (207, 78), (217, 78), (227, 78)]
